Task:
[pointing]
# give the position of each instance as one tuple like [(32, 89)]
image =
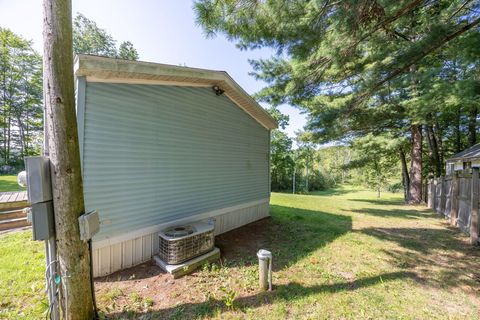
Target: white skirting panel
[(121, 253), (240, 217)]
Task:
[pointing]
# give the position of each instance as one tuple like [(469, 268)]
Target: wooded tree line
[(365, 162), (21, 103), (20, 98), (306, 168), (397, 80)]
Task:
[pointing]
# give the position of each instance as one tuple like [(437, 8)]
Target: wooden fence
[(456, 197)]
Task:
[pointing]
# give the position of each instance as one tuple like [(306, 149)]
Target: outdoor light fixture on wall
[(217, 90)]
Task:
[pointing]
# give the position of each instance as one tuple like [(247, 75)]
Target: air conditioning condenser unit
[(184, 242)]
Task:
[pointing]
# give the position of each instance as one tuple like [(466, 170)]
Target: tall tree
[(88, 38), (281, 161), (127, 51), (64, 153), (354, 65), (375, 156), (305, 158), (20, 98)]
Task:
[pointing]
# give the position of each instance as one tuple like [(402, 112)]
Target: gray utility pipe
[(265, 269)]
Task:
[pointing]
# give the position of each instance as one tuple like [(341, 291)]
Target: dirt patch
[(146, 288), (391, 261), (246, 240)]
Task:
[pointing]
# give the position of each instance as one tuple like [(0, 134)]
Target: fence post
[(434, 193), (430, 194), (474, 206), (443, 198), (425, 193), (454, 199)]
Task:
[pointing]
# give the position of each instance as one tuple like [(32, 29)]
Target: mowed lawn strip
[(22, 286), (338, 254), (9, 183)]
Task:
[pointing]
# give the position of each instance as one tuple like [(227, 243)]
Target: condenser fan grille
[(181, 231)]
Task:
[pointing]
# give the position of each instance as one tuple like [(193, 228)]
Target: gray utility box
[(43, 224), (89, 225), (39, 184), (39, 189)]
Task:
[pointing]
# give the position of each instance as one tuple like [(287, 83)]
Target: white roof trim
[(103, 69)]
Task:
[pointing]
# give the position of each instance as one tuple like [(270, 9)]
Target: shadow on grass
[(422, 240), (290, 233), (394, 213), (334, 192), (381, 202), (328, 192), (440, 257), (287, 293)]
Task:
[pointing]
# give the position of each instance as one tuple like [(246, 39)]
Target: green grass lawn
[(9, 183), (22, 264), (338, 254)]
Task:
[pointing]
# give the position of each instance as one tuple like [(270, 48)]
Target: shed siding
[(154, 154)]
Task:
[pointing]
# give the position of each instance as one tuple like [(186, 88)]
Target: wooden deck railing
[(11, 210)]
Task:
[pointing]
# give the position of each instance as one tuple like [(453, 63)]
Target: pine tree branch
[(413, 61), (324, 62), (459, 9), (400, 13)]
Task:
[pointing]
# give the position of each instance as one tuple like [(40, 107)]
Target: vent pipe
[(265, 269)]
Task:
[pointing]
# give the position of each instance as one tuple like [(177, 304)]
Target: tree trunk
[(27, 136), (306, 180), (472, 126), (22, 136), (415, 188), (4, 111), (437, 132), (293, 182), (64, 153), (431, 169), (9, 134), (405, 176), (435, 155), (458, 134)]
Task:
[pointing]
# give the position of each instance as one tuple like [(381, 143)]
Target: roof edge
[(470, 153), (99, 68)]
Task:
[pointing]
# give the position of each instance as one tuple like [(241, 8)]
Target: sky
[(162, 31)]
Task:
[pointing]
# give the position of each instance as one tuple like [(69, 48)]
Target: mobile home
[(163, 145)]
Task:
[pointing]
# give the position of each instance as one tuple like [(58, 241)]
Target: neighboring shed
[(160, 147), (466, 159)]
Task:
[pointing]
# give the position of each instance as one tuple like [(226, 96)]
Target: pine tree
[(357, 67), (127, 51), (88, 38)]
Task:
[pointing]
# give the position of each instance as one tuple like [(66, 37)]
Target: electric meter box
[(39, 184), (43, 223)]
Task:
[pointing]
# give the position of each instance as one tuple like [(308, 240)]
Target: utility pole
[(63, 150)]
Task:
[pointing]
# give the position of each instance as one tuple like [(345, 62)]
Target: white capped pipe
[(265, 269)]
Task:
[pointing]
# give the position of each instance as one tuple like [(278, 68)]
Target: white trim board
[(97, 244)]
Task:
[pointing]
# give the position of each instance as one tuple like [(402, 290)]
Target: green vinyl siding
[(153, 154)]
